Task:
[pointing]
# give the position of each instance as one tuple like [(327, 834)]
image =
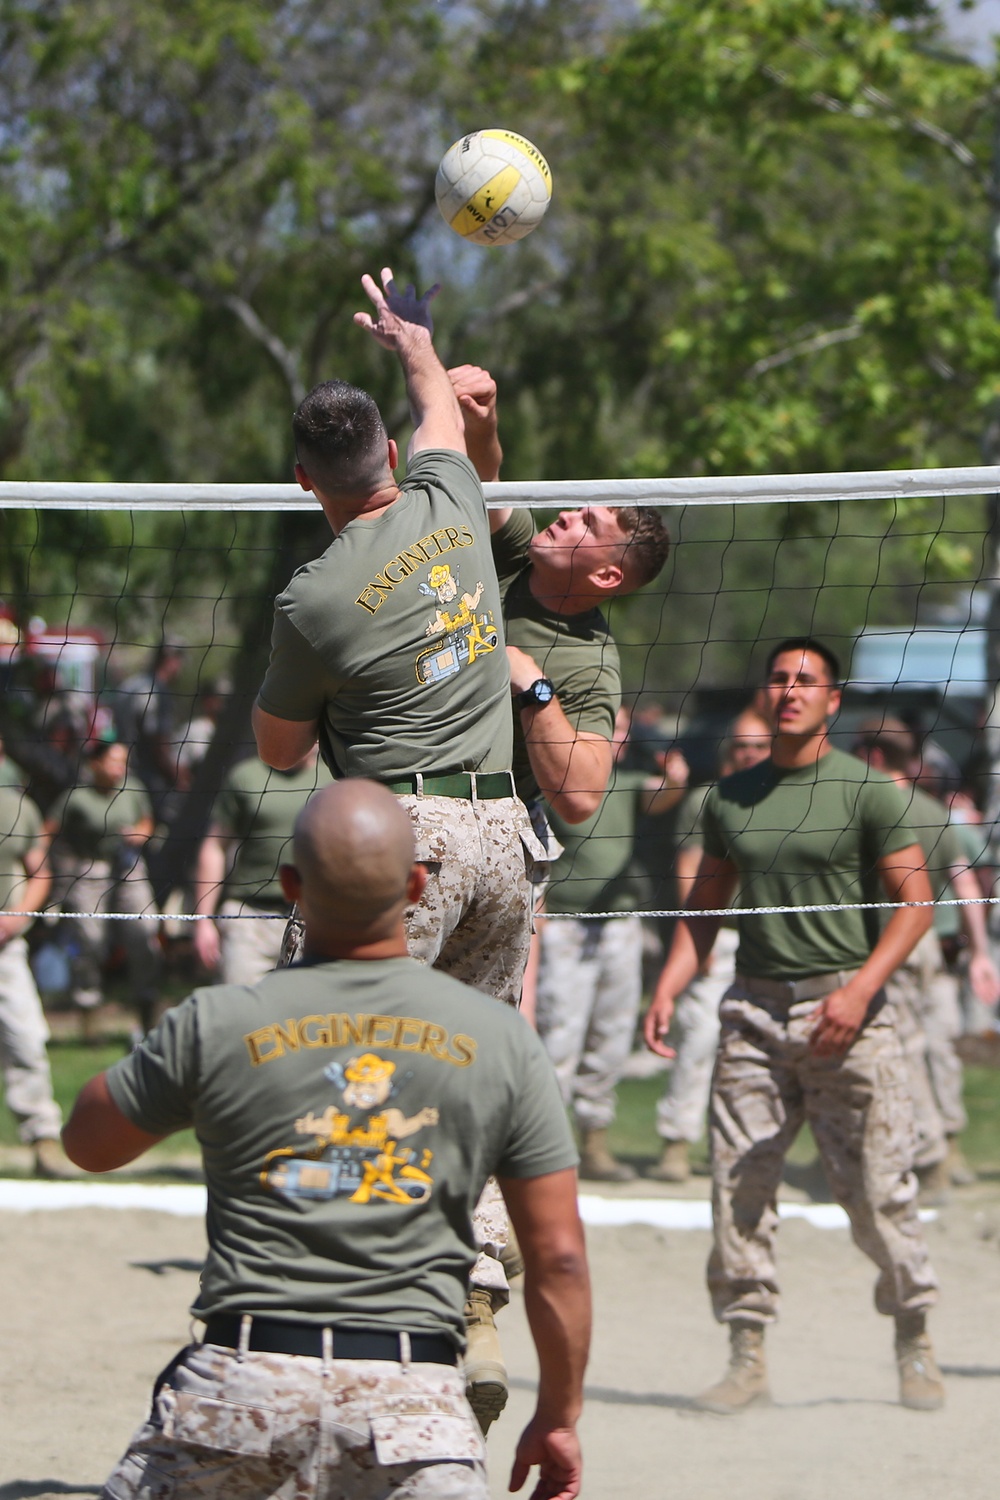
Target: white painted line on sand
[(188, 1200)]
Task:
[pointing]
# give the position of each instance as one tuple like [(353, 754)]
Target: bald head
[(353, 848)]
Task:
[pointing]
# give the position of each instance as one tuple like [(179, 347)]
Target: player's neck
[(791, 752), (333, 946), (340, 509), (551, 594)]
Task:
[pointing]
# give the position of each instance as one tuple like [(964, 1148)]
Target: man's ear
[(393, 454), (415, 884), (608, 578), (303, 478), (291, 883)]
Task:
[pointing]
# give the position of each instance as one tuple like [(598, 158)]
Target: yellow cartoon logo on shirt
[(363, 1162), (464, 634)]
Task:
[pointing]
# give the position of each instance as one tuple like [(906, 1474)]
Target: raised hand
[(397, 314)]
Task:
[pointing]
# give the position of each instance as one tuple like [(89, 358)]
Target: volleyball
[(493, 187)]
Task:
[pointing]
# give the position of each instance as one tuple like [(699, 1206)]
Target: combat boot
[(51, 1162), (920, 1385), (745, 1381), (673, 1165), (485, 1372), (596, 1162)]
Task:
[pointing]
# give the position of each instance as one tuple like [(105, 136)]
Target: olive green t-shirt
[(393, 639), (91, 820), (595, 872), (577, 652), (11, 775), (257, 807), (803, 837), (942, 851), (349, 1114), (20, 831)]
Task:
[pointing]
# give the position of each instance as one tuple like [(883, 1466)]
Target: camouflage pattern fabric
[(250, 947), (589, 989), (24, 1062), (694, 1033), (929, 1017), (246, 1427), (474, 918), (766, 1085)]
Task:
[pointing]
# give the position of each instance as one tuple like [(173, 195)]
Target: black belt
[(269, 1336), (486, 786)]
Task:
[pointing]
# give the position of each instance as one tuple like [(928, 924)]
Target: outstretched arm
[(402, 323), (476, 392), (546, 1221)]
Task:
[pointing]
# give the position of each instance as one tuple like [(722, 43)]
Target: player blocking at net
[(389, 648), (806, 1033)]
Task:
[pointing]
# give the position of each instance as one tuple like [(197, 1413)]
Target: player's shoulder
[(442, 466)]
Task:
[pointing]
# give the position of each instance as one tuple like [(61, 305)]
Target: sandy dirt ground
[(95, 1303)]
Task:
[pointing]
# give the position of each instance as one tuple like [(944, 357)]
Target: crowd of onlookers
[(107, 781)]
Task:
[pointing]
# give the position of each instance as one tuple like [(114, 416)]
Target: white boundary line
[(189, 1201)]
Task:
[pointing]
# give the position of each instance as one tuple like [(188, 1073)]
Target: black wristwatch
[(541, 691)]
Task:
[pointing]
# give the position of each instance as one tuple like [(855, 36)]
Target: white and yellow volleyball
[(493, 187)]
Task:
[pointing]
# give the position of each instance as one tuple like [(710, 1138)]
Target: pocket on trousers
[(136, 1478), (223, 1426), (426, 1430)]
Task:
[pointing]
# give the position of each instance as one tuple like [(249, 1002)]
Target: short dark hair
[(648, 545), (892, 738), (807, 643), (340, 438)]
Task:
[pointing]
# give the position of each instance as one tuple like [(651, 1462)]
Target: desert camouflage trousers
[(474, 923), (589, 989), (694, 1035), (767, 1083), (929, 1019), (24, 1062), (249, 942), (276, 1425)]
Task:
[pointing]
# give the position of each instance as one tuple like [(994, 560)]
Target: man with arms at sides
[(564, 670), (806, 1031), (924, 992), (590, 968), (349, 1110), (255, 812), (694, 1030)]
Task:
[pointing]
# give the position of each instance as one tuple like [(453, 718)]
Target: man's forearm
[(557, 1304), (902, 933), (571, 771), (972, 917), (209, 875), (434, 409)]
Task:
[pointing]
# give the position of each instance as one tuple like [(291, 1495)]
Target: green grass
[(634, 1137), (73, 1063), (633, 1134)]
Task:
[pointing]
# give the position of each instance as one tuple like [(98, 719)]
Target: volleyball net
[(893, 569)]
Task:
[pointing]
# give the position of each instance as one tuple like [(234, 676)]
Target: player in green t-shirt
[(806, 1033), (349, 1110), (924, 991), (236, 876), (590, 968), (99, 831)]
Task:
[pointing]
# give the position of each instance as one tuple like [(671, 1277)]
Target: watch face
[(542, 691)]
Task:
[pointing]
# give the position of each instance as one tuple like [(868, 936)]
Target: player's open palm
[(397, 313)]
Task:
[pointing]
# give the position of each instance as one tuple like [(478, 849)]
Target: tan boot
[(485, 1372), (745, 1382), (960, 1174), (596, 1162), (52, 1163), (934, 1183), (673, 1165), (921, 1387)]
